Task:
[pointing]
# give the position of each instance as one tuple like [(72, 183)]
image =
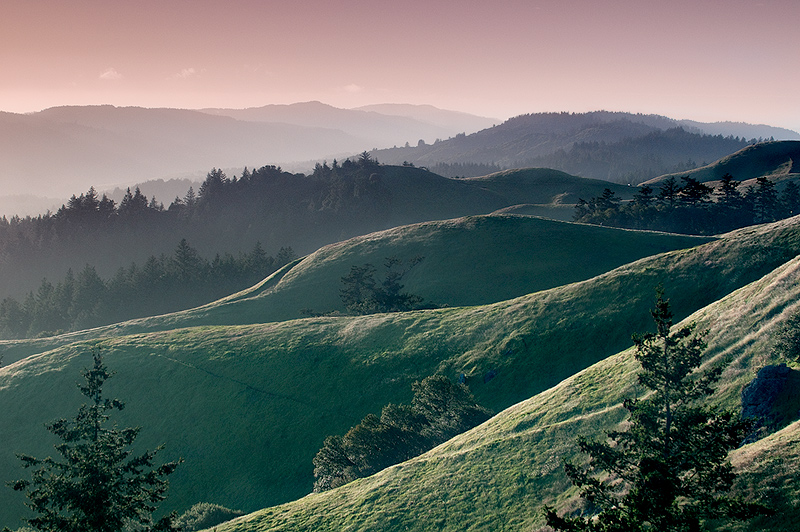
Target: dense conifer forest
[(162, 284), (635, 160), (223, 209)]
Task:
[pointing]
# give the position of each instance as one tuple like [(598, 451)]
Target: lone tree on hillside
[(362, 294), (669, 470), (99, 486)]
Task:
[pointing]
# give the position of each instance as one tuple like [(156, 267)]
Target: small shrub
[(205, 515)]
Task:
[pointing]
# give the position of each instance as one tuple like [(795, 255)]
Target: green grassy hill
[(778, 160), (418, 195), (545, 186), (247, 406), (468, 261), (498, 475)]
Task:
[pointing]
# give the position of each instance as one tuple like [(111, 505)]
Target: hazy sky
[(706, 60)]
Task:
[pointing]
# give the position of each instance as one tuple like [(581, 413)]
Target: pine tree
[(669, 470), (99, 486)]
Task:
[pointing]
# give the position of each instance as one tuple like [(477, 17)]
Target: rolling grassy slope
[(418, 195), (545, 186), (776, 160), (497, 476), (468, 261), (247, 406)]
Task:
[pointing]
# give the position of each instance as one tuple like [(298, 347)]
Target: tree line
[(457, 170), (328, 188), (227, 214), (692, 207), (162, 284)]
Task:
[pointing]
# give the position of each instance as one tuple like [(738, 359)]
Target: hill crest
[(777, 160)]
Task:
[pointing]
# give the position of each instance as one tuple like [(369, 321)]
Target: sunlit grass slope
[(248, 406), (498, 475), (776, 160), (467, 261)]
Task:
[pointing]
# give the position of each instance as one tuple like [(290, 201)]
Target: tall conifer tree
[(99, 485), (669, 470)]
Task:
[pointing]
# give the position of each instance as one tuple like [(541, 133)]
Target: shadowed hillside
[(248, 406), (775, 160), (618, 147)]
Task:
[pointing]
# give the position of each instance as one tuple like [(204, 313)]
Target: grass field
[(247, 406), (475, 260)]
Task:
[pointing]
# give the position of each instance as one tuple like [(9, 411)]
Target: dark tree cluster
[(361, 294), (439, 411), (162, 284), (692, 207), (354, 185), (225, 215)]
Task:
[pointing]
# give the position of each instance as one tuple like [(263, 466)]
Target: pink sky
[(706, 60)]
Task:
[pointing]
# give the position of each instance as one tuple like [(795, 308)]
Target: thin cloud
[(186, 73), (111, 74), (353, 88)]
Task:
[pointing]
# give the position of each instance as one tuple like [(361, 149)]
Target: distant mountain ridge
[(63, 149), (68, 148), (461, 122), (619, 147), (376, 125)]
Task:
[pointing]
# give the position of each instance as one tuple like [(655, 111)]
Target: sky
[(706, 60)]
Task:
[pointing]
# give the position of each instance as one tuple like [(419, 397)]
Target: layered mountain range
[(52, 153)]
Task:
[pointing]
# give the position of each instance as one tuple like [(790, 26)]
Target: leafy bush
[(205, 515)]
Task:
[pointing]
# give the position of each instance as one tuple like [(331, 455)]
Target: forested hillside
[(618, 147), (83, 299), (278, 209)]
